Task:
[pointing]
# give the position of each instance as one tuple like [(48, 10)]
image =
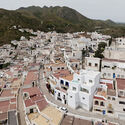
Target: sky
[(94, 9)]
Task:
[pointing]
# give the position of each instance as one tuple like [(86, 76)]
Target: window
[(102, 104), (70, 96), (67, 84), (76, 65), (90, 64), (90, 81), (121, 92), (110, 111), (113, 98), (96, 65), (104, 74), (121, 102), (78, 79), (74, 88), (58, 94), (83, 98), (96, 103), (61, 81), (124, 110), (109, 98), (62, 67), (98, 110), (84, 90), (58, 68), (63, 96), (118, 76), (122, 76)]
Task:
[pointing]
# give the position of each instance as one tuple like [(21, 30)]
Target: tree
[(110, 41), (100, 50)]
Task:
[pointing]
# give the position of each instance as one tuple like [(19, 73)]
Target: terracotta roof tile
[(6, 93), (31, 76), (120, 83), (29, 103), (12, 106), (61, 73), (3, 116), (32, 91)]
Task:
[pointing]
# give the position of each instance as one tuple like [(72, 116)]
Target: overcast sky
[(95, 9)]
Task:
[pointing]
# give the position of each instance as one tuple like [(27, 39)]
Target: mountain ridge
[(60, 19)]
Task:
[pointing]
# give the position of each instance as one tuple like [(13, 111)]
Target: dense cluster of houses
[(93, 84)]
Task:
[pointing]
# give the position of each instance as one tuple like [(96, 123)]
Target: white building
[(92, 63), (120, 42), (112, 68), (82, 88)]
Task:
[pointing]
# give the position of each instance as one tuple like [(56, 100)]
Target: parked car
[(63, 109)]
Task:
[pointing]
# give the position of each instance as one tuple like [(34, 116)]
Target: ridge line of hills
[(60, 19)]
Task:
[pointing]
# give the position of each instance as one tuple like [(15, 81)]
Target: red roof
[(31, 76), (120, 83), (32, 91), (99, 98), (61, 73), (12, 106), (6, 93), (29, 102), (36, 97), (4, 105), (109, 85), (13, 100)]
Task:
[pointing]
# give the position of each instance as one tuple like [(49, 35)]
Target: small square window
[(78, 79), (118, 76), (90, 64), (96, 65), (90, 81), (109, 98), (83, 98), (74, 88)]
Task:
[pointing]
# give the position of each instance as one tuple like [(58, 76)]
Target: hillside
[(60, 19)]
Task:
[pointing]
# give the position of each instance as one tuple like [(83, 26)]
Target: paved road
[(21, 109), (86, 114)]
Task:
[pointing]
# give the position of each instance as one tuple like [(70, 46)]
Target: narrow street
[(20, 108), (86, 114)]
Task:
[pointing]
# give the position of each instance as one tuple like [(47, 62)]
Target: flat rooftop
[(38, 119), (50, 115), (54, 114), (3, 116), (61, 73), (12, 118), (68, 77), (101, 92), (90, 73)]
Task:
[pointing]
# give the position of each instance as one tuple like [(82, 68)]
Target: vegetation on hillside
[(60, 19)]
